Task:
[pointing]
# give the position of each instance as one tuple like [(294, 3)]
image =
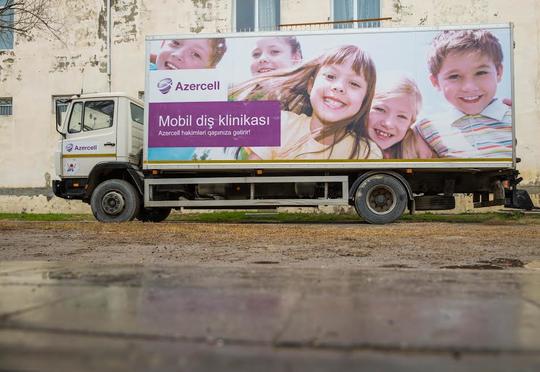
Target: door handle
[(110, 144)]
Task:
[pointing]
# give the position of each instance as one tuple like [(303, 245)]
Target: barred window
[(6, 106), (256, 15), (346, 10)]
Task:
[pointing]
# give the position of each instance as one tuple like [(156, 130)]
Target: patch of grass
[(273, 217), (254, 217)]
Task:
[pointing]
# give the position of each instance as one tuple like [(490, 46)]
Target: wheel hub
[(381, 199), (113, 203)]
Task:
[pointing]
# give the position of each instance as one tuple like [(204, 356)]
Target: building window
[(346, 10), (256, 15), (6, 106), (6, 25)]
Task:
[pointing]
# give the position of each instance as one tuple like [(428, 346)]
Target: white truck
[(191, 143)]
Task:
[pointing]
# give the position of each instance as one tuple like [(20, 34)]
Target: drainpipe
[(109, 52)]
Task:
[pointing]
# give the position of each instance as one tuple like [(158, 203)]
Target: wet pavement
[(68, 317)]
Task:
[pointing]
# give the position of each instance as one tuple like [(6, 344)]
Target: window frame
[(83, 116), (71, 116), (10, 34), (6, 103), (255, 15), (131, 106), (60, 98), (355, 12)]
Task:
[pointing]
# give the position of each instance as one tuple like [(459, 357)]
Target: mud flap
[(518, 199)]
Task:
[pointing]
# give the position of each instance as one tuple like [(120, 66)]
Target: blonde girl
[(393, 111), (325, 104)]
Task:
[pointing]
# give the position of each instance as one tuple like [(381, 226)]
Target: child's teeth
[(333, 103), (471, 98), (382, 134)]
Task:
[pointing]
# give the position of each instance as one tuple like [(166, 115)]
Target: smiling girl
[(275, 53), (182, 54), (325, 105), (394, 109), (391, 121)]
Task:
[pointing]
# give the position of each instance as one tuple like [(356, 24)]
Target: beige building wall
[(41, 67)]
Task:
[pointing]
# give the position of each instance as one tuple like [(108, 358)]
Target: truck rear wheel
[(380, 199), (153, 214), (115, 201)]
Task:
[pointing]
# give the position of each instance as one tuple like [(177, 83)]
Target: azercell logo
[(165, 85), (69, 147)]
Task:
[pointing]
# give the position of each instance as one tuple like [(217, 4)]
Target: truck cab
[(99, 128), (102, 139)]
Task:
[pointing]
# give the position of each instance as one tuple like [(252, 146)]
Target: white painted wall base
[(41, 204)]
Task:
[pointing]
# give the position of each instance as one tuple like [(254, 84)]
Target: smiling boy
[(466, 66)]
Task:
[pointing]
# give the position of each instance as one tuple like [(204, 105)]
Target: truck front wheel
[(380, 199), (115, 201)]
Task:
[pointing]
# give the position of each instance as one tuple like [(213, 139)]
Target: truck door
[(90, 137)]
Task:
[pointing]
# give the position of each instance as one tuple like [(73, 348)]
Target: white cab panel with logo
[(101, 128), (90, 136)]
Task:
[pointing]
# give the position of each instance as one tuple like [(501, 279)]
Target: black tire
[(380, 199), (434, 202), (153, 214), (115, 201)]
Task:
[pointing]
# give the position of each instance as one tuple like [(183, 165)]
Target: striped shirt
[(486, 135)]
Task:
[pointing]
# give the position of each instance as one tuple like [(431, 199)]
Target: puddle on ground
[(474, 267), (498, 263), (504, 262), (396, 266), (94, 278), (265, 262)]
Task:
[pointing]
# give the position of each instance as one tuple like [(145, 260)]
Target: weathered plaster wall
[(301, 11), (42, 67)]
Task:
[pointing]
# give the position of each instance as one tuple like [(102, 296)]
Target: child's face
[(272, 54), (337, 93), (468, 81), (184, 54), (389, 119)]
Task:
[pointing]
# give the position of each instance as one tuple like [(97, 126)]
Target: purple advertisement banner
[(214, 124)]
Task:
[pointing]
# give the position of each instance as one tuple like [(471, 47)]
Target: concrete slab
[(84, 317), (56, 352)]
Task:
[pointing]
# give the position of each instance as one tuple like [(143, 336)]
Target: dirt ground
[(403, 245)]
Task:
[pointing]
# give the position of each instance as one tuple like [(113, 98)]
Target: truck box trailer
[(380, 119)]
